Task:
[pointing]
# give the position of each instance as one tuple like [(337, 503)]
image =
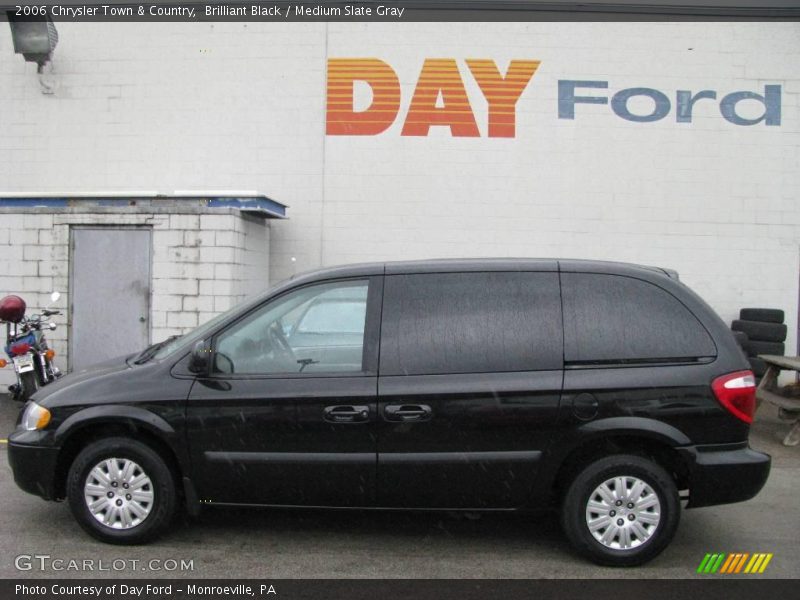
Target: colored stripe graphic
[(734, 563), (726, 568), (765, 563), (757, 564), (740, 564), (718, 563), (703, 563), (711, 563)]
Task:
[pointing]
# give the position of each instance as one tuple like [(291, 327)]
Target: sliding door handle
[(407, 412)]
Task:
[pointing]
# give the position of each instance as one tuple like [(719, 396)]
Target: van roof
[(445, 265)]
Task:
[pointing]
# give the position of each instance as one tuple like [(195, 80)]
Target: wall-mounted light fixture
[(35, 38)]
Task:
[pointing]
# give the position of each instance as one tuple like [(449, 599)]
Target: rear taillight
[(737, 393), (21, 348)]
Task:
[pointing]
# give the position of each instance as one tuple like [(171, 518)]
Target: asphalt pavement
[(40, 539)]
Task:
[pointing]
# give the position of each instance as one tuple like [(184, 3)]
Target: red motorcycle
[(26, 346)]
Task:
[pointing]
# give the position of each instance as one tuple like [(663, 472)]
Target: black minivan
[(609, 392)]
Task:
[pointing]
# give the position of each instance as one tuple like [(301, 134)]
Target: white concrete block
[(184, 221), (217, 222), (182, 320), (216, 254), (186, 287)]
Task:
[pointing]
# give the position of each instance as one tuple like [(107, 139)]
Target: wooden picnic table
[(768, 391)]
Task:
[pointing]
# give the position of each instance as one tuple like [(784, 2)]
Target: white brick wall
[(242, 106), (253, 237)]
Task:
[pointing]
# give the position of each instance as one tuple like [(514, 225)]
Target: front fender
[(116, 413), (126, 415)]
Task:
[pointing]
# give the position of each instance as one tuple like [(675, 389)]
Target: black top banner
[(399, 11)]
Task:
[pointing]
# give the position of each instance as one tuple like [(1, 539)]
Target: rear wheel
[(621, 510), (121, 491), (29, 385)]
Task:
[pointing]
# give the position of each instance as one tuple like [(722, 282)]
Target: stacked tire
[(765, 333)]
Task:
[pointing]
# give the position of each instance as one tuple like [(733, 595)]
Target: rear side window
[(610, 318), (442, 323)]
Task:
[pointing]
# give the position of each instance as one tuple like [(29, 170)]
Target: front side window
[(316, 329)]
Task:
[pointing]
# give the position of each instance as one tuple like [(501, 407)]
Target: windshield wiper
[(150, 351)]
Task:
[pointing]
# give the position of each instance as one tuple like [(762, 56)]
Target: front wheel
[(121, 491), (622, 510)]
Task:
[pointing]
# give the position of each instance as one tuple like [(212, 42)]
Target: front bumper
[(34, 468), (724, 473)]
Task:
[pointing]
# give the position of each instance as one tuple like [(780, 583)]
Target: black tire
[(754, 348), (763, 315), (758, 366), (164, 501), (573, 510), (29, 385), (741, 338), (762, 332)]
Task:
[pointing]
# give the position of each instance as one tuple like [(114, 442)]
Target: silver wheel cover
[(623, 513), (118, 493)]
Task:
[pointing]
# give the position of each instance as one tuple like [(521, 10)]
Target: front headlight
[(35, 417)]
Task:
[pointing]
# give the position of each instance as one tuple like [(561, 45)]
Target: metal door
[(110, 293)]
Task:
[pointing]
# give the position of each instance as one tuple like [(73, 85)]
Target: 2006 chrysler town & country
[(605, 390)]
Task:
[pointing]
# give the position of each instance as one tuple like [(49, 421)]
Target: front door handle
[(346, 414), (407, 412)]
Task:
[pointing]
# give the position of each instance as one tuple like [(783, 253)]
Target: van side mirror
[(200, 360)]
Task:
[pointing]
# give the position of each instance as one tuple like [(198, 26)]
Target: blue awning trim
[(256, 205), (34, 202)]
